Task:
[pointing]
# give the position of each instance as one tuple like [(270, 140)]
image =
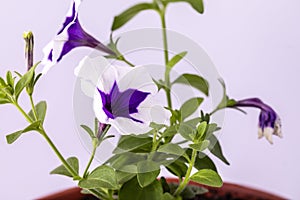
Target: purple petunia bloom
[(69, 37), (122, 104), (269, 121)]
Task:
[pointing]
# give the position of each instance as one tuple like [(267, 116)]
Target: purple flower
[(269, 121), (69, 37), (122, 104)]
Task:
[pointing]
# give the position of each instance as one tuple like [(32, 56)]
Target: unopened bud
[(29, 40)]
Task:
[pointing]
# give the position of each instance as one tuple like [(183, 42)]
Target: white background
[(254, 44)]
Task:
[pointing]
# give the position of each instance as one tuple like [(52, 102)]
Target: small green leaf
[(41, 109), (189, 107), (215, 149), (133, 190), (61, 170), (4, 99), (170, 132), (201, 130), (24, 81), (11, 138), (10, 80), (2, 82), (186, 131), (102, 177), (176, 59), (195, 81), (128, 14), (129, 143), (196, 4), (173, 149), (207, 177), (147, 172), (88, 130), (200, 146)]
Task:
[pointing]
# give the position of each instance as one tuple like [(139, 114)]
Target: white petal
[(260, 133), (98, 109), (46, 62), (268, 133), (88, 71)]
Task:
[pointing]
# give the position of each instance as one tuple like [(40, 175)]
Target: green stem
[(166, 53), (23, 112), (90, 161), (186, 180), (123, 59), (62, 159), (33, 107)]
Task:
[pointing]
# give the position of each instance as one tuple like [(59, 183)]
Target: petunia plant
[(147, 144)]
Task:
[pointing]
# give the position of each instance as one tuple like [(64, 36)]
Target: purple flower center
[(122, 104)]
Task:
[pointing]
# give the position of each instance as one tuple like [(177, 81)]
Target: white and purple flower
[(124, 97), (69, 37), (269, 121)]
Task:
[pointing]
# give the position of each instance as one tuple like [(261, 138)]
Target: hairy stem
[(33, 107), (166, 53), (61, 158), (183, 184), (90, 161)]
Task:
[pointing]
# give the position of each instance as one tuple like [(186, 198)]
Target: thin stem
[(166, 53), (33, 107), (154, 146), (183, 184), (90, 161), (123, 59), (23, 112), (62, 159)]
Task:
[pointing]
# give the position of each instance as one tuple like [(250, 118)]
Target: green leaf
[(129, 143), (195, 81), (102, 177), (11, 138), (157, 126), (168, 196), (61, 170), (119, 161), (177, 168), (147, 172), (123, 177), (215, 149), (128, 14), (189, 107), (2, 82), (10, 80), (204, 162), (176, 59), (170, 132), (173, 149), (201, 130), (88, 130), (207, 177), (24, 81), (41, 109), (187, 131), (133, 191), (3, 98), (196, 4), (201, 146)]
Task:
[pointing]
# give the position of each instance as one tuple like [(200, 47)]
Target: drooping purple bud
[(269, 121)]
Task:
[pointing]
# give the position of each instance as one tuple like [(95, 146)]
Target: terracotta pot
[(228, 191)]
